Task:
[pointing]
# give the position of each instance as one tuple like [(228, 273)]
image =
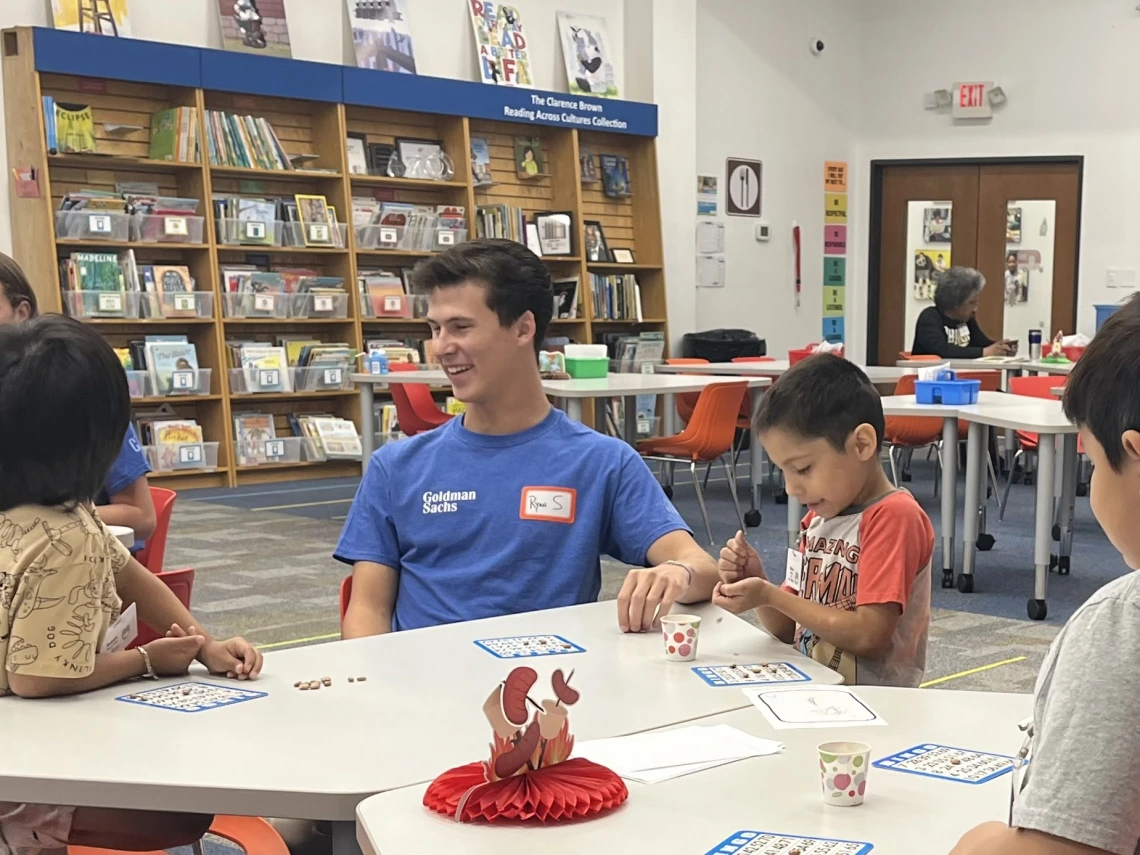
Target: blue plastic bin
[(947, 389), (1103, 312)]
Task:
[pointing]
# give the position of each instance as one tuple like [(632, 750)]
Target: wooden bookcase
[(106, 77)]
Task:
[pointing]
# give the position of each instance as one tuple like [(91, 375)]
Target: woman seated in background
[(949, 328), (125, 499)]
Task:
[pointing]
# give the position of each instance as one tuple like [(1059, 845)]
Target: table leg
[(1068, 497), (629, 423), (574, 408), (755, 463), (949, 496), (344, 839), (668, 415), (1046, 463), (795, 514), (367, 426), (976, 451)]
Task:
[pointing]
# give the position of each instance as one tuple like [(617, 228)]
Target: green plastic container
[(587, 369)]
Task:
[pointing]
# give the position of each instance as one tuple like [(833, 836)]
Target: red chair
[(254, 836), (910, 357), (345, 595), (154, 550), (415, 407), (181, 582), (1027, 441), (686, 401), (707, 438)]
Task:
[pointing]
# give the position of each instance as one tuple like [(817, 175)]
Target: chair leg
[(1008, 485), (993, 476), (891, 452), (701, 500), (938, 478), (708, 470), (197, 848), (730, 472)]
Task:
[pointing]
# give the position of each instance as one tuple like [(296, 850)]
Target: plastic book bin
[(947, 389), (1104, 311), (587, 368)]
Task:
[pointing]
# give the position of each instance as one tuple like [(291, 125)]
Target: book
[(587, 54), (266, 368), (251, 430), (503, 51), (528, 157), (75, 129), (381, 35), (176, 430), (566, 298), (170, 280), (71, 15), (481, 161), (338, 437), (357, 155), (49, 125), (174, 135), (163, 358), (252, 28), (379, 156), (316, 224), (615, 175)]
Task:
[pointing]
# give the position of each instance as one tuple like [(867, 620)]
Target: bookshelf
[(313, 108)]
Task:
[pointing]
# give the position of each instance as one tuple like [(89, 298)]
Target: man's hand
[(234, 657), (649, 593), (738, 560), (998, 348), (750, 592)]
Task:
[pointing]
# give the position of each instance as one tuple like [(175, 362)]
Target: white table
[(316, 755), (903, 813), (1047, 419), (876, 373), (124, 534), (1006, 364)]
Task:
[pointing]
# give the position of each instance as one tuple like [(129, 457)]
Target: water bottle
[(377, 362), (1035, 344)]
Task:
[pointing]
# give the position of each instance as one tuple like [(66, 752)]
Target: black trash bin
[(722, 345)]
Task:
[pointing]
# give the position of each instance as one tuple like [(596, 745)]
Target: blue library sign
[(85, 55)]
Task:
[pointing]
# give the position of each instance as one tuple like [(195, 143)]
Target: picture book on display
[(481, 161), (174, 135), (615, 175), (251, 431), (163, 358), (255, 26), (501, 47), (244, 141), (381, 35), (76, 15), (586, 51)]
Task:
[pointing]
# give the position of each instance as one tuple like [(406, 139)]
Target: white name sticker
[(794, 571), (548, 504)]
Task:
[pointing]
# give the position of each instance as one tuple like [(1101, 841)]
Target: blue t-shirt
[(128, 467), (481, 526)]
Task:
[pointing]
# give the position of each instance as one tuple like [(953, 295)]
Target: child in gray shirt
[(1081, 790)]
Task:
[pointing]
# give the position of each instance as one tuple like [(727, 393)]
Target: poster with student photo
[(255, 26), (1016, 278), (381, 35), (1013, 225), (929, 266), (936, 225), (586, 51)]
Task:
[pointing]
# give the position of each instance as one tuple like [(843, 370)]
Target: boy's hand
[(234, 657), (737, 597), (738, 560), (171, 656)]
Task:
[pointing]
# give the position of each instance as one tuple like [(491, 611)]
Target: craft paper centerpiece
[(1056, 351), (530, 774)]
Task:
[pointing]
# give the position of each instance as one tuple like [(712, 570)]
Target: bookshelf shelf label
[(319, 233), (394, 303), (447, 237), (110, 302), (275, 449), (183, 381), (190, 454), (176, 227), (389, 236), (333, 377), (322, 303), (185, 303), (268, 378), (264, 302), (99, 224), (254, 230)]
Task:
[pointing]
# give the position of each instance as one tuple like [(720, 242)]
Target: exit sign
[(971, 101)]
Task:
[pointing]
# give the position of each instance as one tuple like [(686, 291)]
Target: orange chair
[(909, 432), (154, 550), (415, 407), (181, 582), (252, 834), (345, 595), (1027, 441), (925, 357), (686, 401), (707, 438)]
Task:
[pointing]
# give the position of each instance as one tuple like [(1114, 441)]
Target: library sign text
[(565, 111)]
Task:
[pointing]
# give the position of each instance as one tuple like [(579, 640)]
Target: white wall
[(762, 95), (441, 31), (1069, 69), (1034, 313)]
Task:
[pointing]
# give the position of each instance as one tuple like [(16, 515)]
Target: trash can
[(722, 345)]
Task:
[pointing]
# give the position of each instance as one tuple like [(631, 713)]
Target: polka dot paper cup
[(681, 633), (843, 768)]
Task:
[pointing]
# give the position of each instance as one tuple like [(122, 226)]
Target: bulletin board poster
[(834, 251), (835, 176)]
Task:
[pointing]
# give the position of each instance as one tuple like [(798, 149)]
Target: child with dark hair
[(64, 578), (857, 593), (1081, 792)]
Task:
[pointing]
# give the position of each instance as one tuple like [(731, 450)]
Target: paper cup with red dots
[(681, 633), (843, 768)]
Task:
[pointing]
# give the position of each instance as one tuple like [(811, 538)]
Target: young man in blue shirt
[(125, 499), (509, 508)]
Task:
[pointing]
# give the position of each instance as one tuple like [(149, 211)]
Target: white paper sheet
[(931, 372), (710, 237), (710, 271), (122, 632), (661, 755), (832, 706)]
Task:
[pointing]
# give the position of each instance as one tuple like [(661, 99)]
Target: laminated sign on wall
[(834, 250), (742, 193)]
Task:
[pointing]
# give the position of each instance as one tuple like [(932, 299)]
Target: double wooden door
[(1016, 222)]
